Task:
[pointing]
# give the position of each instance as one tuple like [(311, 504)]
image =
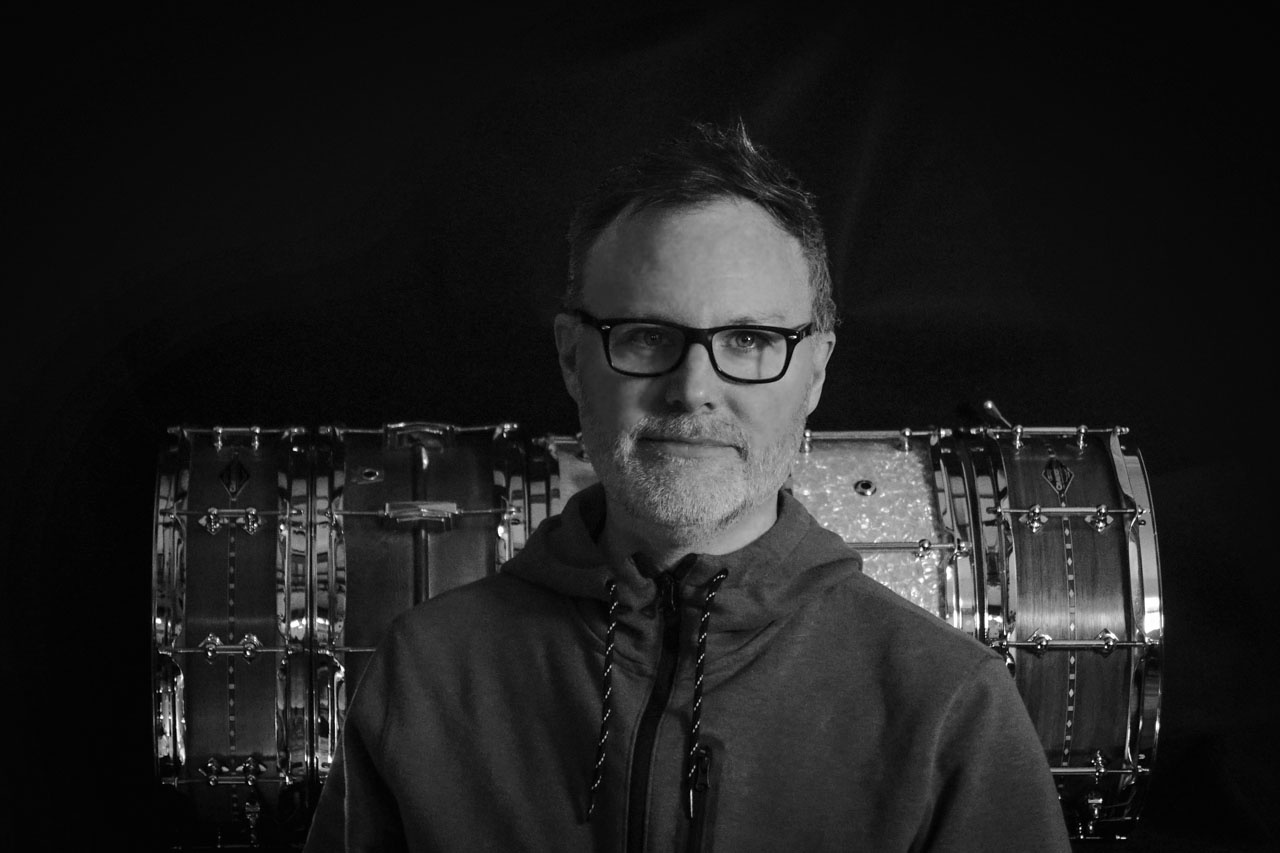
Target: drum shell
[(404, 513), (1059, 583), (334, 555), (228, 605)]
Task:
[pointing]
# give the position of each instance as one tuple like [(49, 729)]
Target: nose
[(694, 384)]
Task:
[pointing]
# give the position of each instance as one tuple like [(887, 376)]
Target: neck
[(624, 535)]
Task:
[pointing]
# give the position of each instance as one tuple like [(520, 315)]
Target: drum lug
[(247, 519), (1100, 519), (216, 770), (1093, 799), (212, 520), (213, 770), (212, 646), (254, 432), (1034, 518), (250, 769)]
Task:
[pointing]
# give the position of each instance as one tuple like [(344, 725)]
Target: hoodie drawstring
[(606, 709), (699, 758)]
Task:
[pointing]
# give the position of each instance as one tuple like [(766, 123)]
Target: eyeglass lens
[(652, 348)]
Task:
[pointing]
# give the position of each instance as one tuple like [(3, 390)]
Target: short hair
[(706, 164)]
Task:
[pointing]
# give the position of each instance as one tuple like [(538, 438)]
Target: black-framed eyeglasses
[(739, 353)]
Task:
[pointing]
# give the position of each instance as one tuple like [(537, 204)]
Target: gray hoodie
[(771, 699)]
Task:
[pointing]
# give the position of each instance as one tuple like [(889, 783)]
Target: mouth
[(687, 447)]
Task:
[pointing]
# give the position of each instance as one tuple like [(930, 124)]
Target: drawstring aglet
[(699, 776)]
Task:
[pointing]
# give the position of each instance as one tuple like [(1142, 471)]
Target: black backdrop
[(317, 215)]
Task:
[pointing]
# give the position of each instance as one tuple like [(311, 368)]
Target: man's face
[(691, 450)]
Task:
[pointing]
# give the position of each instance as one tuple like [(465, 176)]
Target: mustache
[(688, 428)]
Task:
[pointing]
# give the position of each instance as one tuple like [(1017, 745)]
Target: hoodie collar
[(793, 561)]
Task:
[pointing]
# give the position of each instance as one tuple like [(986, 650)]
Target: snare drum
[(1039, 542), (229, 632), (402, 513), (898, 497), (1072, 596), (281, 558)]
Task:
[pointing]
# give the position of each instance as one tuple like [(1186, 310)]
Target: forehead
[(723, 262)]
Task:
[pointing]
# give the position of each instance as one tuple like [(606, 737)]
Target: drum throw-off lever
[(441, 513), (436, 513)]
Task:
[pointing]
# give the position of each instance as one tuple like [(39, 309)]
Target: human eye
[(749, 340), (640, 336)]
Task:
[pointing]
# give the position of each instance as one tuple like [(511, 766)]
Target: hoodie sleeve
[(992, 780), (356, 812)]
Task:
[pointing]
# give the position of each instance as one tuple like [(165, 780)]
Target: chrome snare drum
[(229, 632), (281, 557)]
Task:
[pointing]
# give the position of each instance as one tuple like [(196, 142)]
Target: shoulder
[(500, 602), (892, 631)]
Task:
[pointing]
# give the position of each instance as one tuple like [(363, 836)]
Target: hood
[(793, 561)]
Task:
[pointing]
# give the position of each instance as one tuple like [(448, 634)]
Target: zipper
[(699, 782), (668, 607)]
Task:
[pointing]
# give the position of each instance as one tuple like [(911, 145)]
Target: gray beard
[(688, 499)]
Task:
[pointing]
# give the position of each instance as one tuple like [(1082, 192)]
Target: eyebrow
[(773, 319), (765, 320)]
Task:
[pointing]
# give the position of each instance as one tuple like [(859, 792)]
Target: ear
[(568, 332), (824, 343)]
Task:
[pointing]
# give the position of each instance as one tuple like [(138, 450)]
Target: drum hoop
[(1148, 608)]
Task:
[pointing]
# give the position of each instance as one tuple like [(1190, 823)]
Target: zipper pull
[(664, 598), (699, 780), (668, 592)]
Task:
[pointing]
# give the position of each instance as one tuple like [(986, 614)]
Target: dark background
[(316, 215)]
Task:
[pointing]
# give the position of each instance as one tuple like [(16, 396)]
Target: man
[(684, 659)]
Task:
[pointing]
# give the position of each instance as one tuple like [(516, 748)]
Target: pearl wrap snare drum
[(1037, 541)]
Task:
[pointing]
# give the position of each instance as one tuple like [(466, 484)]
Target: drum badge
[(234, 477), (1059, 477)]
